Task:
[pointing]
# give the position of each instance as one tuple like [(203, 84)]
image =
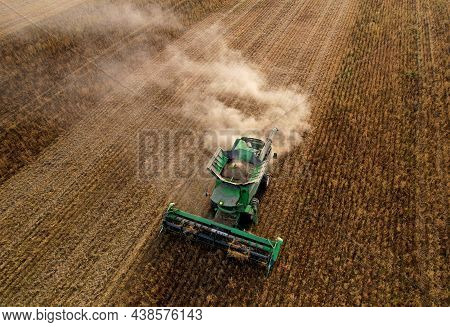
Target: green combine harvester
[(241, 174)]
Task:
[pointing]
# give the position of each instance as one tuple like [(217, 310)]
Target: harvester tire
[(255, 206), (212, 210), (265, 182)]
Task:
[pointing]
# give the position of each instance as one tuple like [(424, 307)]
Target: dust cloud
[(221, 83), (222, 90)]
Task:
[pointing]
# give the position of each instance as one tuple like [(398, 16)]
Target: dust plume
[(224, 86), (222, 90)]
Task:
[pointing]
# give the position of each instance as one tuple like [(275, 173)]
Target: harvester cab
[(241, 173)]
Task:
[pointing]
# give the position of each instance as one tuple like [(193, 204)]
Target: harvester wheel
[(212, 210), (255, 205), (265, 182)]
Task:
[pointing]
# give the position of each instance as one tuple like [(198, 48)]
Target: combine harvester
[(241, 173)]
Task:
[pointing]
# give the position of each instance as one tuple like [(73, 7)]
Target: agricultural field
[(359, 196)]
